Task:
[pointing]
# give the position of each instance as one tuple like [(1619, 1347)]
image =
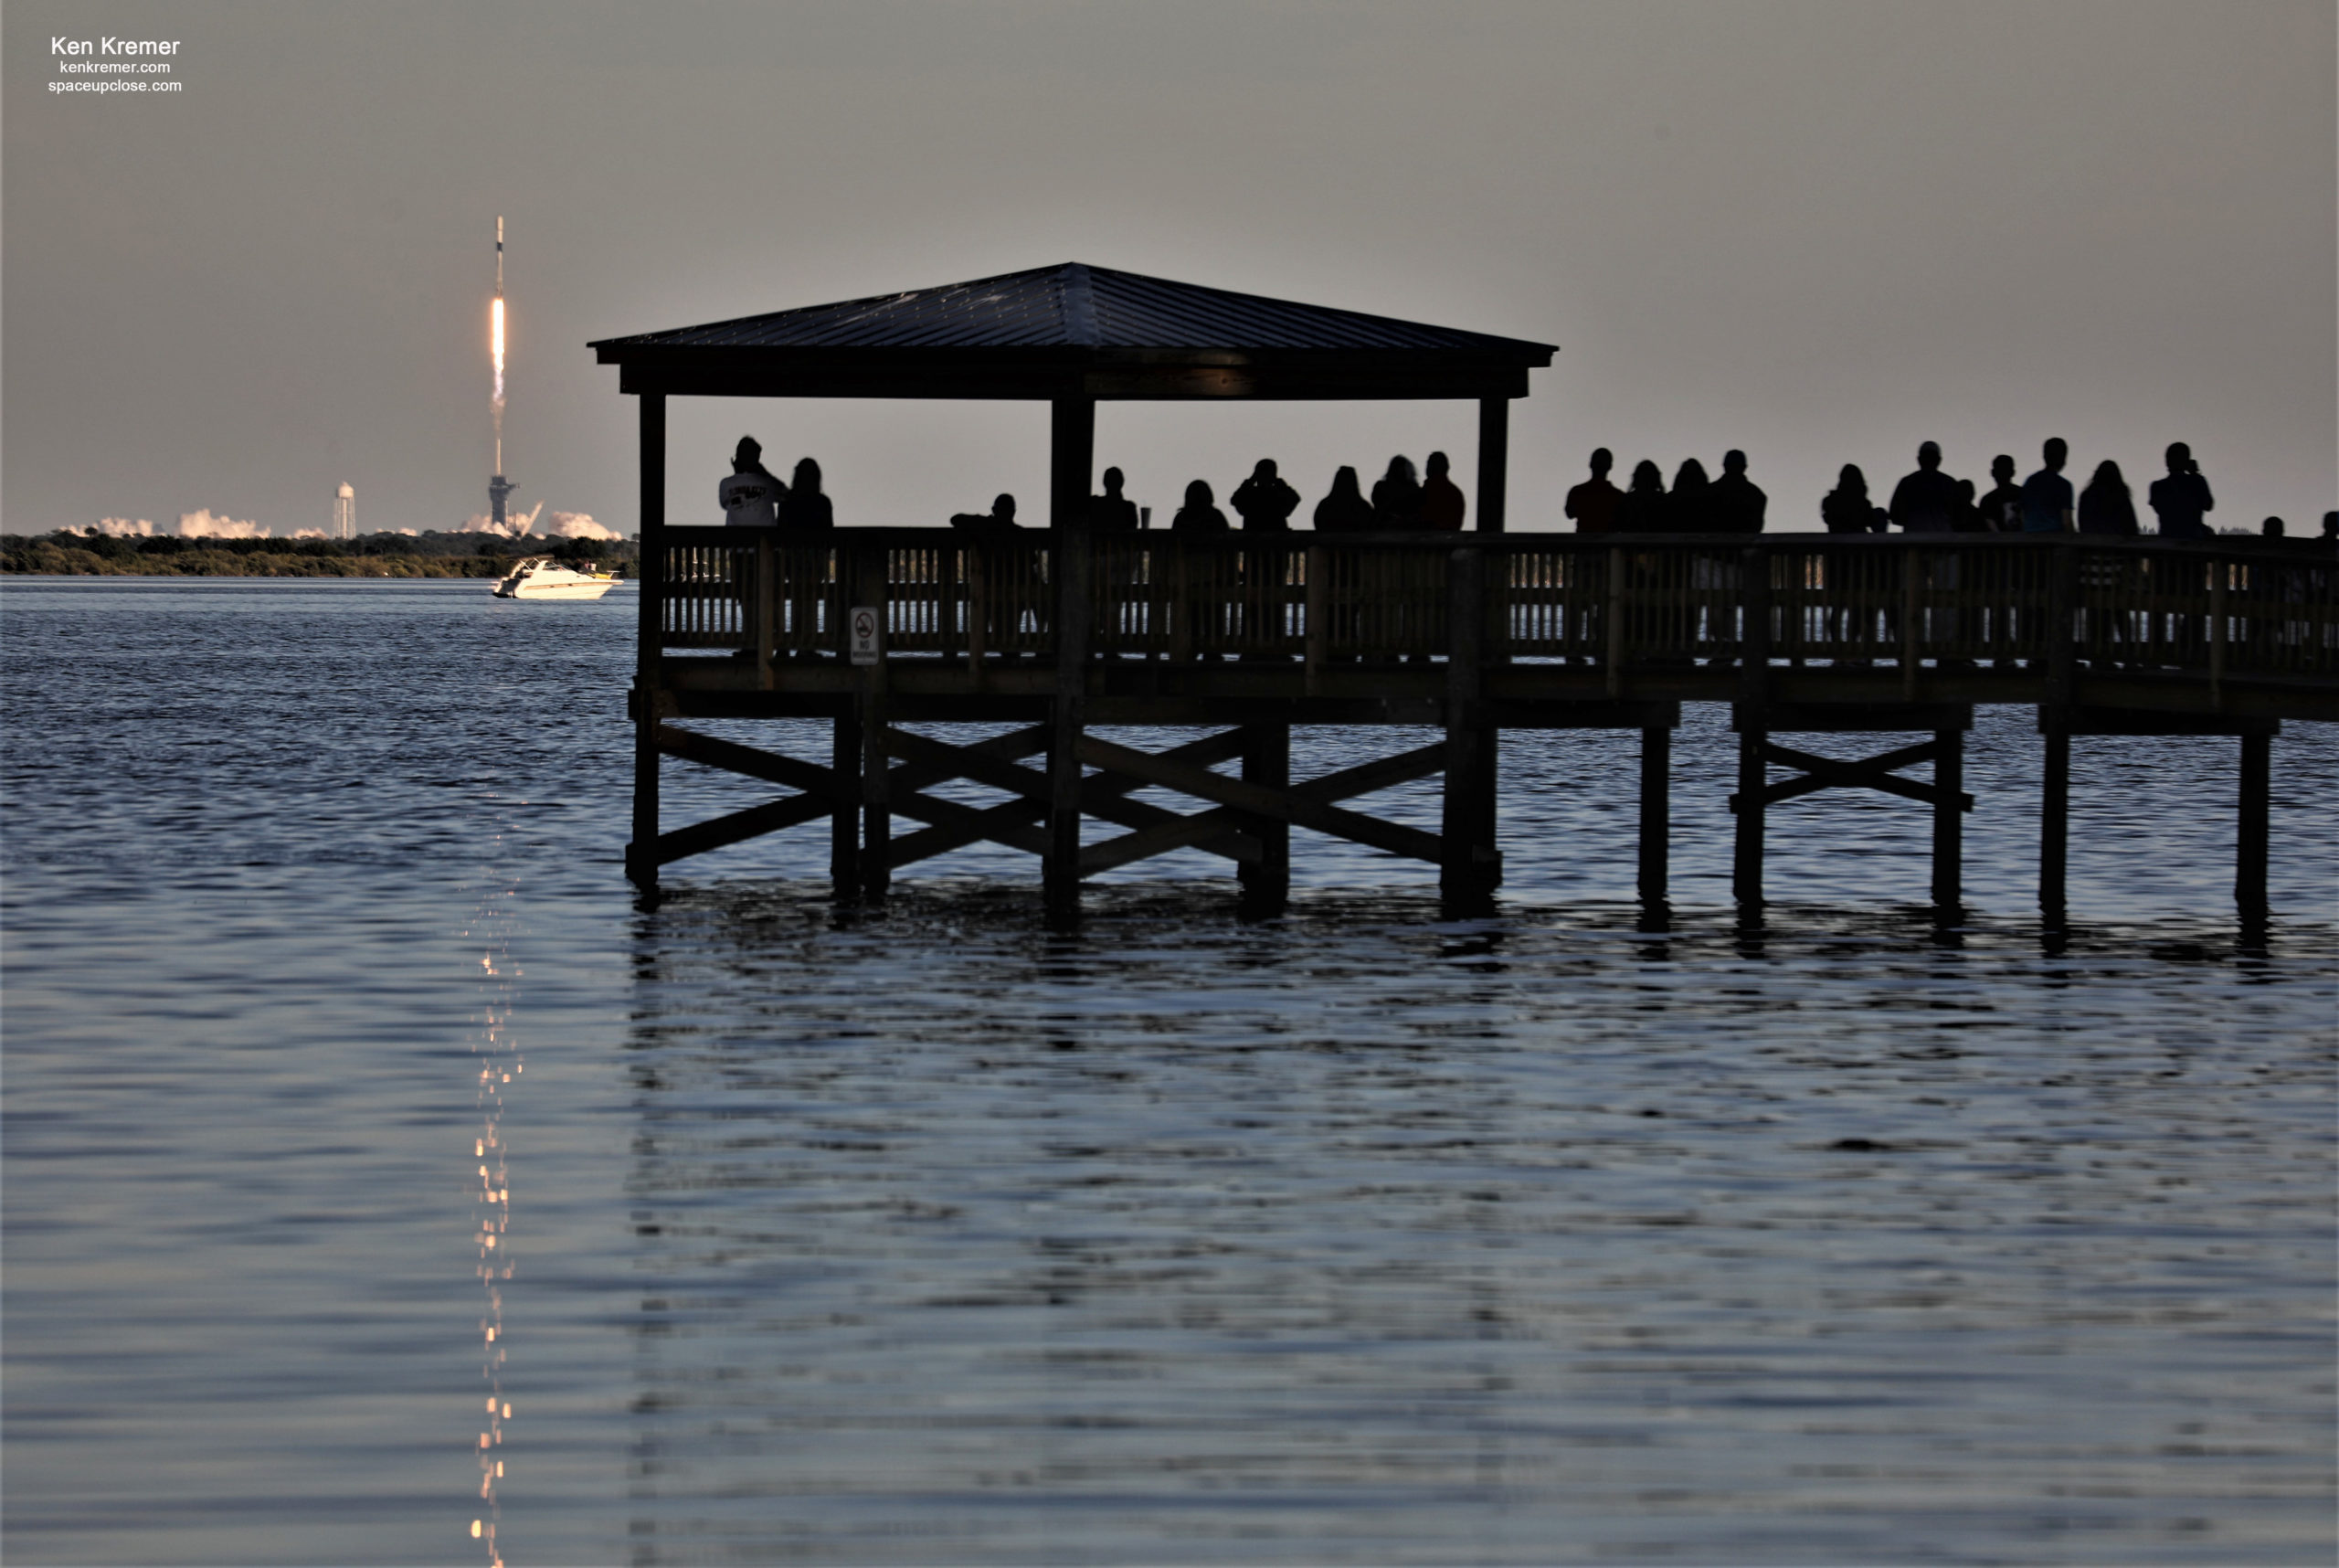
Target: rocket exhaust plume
[(495, 337)]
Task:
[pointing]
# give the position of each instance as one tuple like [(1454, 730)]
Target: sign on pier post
[(868, 634)]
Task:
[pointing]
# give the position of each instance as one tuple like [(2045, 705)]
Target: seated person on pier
[(1000, 519), (1345, 510), (1735, 503), (2000, 510), (1594, 503), (804, 509), (2181, 499), (1112, 513), (1925, 502), (751, 494), (1264, 500), (1397, 498), (1199, 514), (1442, 503)]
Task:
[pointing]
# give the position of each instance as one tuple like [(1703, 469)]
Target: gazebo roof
[(1072, 331)]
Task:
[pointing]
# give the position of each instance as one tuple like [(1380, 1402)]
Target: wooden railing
[(2219, 607)]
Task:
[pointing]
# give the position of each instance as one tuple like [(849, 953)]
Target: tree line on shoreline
[(70, 553)]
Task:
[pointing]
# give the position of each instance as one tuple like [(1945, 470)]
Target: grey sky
[(1820, 231)]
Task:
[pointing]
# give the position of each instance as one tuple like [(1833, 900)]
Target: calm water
[(930, 1237)]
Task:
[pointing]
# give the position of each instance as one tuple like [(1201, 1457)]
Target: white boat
[(541, 577)]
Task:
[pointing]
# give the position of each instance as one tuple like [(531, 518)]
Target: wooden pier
[(1810, 640), (1491, 638)]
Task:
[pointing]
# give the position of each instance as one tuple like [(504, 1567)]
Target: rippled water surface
[(927, 1237)]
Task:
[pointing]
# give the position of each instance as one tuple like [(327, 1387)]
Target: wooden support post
[(2054, 822), (1613, 616), (1266, 762), (844, 822), (641, 854), (1754, 627), (868, 577), (1754, 773), (1494, 461), (765, 621), (1319, 626), (2220, 626), (1948, 820), (1656, 821), (1470, 871), (2062, 652), (1060, 874), (1072, 457), (2254, 839)]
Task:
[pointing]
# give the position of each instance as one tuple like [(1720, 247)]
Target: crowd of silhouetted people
[(1926, 501)]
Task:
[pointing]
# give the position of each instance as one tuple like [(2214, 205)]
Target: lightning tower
[(499, 487)]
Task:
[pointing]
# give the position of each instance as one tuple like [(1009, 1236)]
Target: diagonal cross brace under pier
[(1275, 805), (1099, 798), (1195, 830), (1871, 773), (821, 791)]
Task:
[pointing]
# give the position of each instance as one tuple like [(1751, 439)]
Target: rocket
[(499, 487)]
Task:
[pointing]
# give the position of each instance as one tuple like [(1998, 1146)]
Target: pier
[(1846, 661)]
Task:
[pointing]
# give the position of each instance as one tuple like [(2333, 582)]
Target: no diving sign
[(868, 634)]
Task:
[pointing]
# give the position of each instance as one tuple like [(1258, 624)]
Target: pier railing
[(2221, 607)]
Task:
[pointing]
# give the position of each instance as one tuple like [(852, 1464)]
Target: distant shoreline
[(70, 556)]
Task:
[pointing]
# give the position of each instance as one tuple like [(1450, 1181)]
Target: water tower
[(344, 513)]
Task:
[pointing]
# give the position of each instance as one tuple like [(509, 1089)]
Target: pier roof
[(1072, 331)]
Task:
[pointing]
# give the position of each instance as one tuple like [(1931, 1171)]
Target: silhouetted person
[(2047, 503), (1691, 510), (2181, 498), (1443, 507), (1112, 513), (1925, 502), (1967, 517), (1595, 503), (2331, 524), (2000, 510), (1345, 510), (2272, 528), (806, 509), (1397, 497), (1199, 514), (1735, 504), (1000, 519), (2105, 506), (1847, 508), (751, 494), (1264, 500), (1643, 506)]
